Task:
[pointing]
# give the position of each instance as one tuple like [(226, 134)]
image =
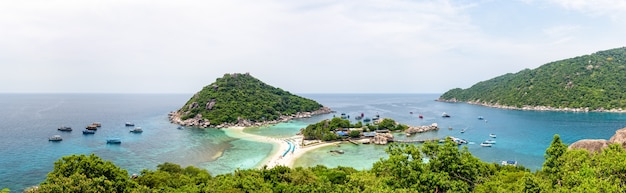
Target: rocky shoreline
[(199, 122), (533, 108)]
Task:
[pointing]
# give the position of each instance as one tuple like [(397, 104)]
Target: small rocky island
[(240, 100)]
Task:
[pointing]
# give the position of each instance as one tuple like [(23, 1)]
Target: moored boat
[(490, 141), (136, 130), (484, 144), (367, 119), (445, 115), (509, 163), (91, 127), (64, 128), (97, 124), (180, 127), (420, 116), (480, 118), (55, 138), (87, 132), (129, 124), (376, 117), (114, 141), (492, 135)]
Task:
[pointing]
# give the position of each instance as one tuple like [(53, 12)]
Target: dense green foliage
[(589, 81), (243, 96), (325, 129), (431, 167)]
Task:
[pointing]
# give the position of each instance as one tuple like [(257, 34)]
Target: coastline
[(199, 122), (280, 146), (533, 108)]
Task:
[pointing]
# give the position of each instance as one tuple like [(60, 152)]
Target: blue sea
[(27, 120)]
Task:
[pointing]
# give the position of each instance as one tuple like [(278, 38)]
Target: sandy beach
[(282, 146)]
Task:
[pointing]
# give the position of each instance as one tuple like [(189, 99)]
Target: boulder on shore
[(596, 145), (592, 145), (382, 138)]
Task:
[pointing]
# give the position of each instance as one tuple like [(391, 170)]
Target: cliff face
[(596, 145), (242, 100)]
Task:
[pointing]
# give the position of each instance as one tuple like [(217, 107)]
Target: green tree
[(553, 164), (81, 173)]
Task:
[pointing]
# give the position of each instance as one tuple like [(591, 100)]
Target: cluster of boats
[(361, 117), (92, 128), (489, 142)]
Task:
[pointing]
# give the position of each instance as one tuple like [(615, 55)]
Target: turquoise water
[(521, 135), (29, 119)]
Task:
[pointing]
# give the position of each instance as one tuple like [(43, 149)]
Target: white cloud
[(612, 8), (301, 46)]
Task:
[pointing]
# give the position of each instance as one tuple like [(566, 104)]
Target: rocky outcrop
[(210, 104), (592, 145), (199, 122), (619, 137), (192, 106), (382, 138), (596, 145), (421, 129)]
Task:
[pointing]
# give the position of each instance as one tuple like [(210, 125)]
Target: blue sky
[(307, 46)]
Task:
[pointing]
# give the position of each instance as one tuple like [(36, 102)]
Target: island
[(240, 100), (591, 82)]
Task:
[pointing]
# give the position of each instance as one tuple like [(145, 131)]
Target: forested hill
[(589, 82), (237, 97)]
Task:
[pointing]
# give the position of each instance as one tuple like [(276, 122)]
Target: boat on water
[(509, 163), (420, 116), (55, 138), (91, 127), (337, 151), (97, 124), (64, 128), (481, 118), (492, 135), (376, 117), (462, 130), (129, 124), (136, 130), (367, 119), (458, 141), (485, 144), (87, 132), (180, 127), (490, 141), (445, 115), (114, 141)]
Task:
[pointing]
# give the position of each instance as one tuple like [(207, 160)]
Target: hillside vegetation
[(591, 81), (241, 96), (448, 169)]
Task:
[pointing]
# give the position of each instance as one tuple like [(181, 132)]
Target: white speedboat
[(136, 130), (55, 138), (490, 141), (484, 144)]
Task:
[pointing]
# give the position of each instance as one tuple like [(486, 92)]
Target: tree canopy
[(591, 81), (241, 96)]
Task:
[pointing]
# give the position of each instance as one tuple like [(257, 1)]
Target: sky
[(304, 46)]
